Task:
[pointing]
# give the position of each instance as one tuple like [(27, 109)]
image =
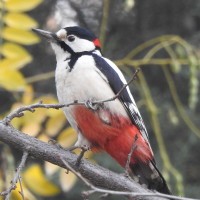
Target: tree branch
[(97, 175)]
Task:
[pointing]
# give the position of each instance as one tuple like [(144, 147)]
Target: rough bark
[(97, 175)]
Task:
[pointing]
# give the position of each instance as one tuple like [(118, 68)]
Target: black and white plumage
[(83, 74)]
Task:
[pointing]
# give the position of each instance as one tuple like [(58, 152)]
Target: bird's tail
[(149, 175)]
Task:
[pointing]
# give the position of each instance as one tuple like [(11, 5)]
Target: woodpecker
[(83, 74)]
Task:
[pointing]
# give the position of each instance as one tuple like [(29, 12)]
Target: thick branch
[(98, 176)]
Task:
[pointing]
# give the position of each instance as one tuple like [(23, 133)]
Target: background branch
[(16, 177)]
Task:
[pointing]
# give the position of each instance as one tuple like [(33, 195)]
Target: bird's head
[(70, 40)]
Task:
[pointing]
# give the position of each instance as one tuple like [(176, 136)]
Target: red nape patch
[(96, 43)]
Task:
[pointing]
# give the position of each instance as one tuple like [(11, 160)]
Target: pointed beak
[(51, 37)]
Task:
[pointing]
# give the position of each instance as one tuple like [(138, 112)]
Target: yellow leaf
[(11, 50), (54, 124), (50, 168), (16, 195), (31, 129), (67, 137), (67, 181), (20, 20), (16, 122), (52, 112), (28, 95), (37, 117), (87, 154), (40, 114), (14, 63), (12, 80), (21, 5), (37, 182), (43, 137), (49, 100), (20, 36)]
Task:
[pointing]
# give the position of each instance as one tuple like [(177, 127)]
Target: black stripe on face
[(65, 47), (62, 44)]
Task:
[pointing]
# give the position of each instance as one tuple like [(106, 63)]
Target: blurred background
[(160, 36)]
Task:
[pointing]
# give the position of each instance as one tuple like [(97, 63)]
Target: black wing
[(115, 79)]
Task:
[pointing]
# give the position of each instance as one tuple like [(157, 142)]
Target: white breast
[(84, 82)]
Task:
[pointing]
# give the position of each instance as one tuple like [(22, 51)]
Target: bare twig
[(75, 172), (3, 166), (21, 192), (120, 193), (129, 156), (19, 111), (122, 89), (16, 177)]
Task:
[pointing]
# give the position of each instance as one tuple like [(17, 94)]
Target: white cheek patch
[(80, 45)]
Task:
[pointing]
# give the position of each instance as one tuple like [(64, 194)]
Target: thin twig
[(129, 156), (21, 192), (3, 166), (77, 173), (16, 177), (122, 89), (120, 193), (19, 111)]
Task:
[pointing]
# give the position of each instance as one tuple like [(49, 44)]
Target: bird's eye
[(71, 38)]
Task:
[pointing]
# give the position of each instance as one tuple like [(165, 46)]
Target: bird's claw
[(54, 142), (90, 105), (60, 147), (83, 150)]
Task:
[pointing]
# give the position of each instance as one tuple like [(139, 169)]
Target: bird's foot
[(54, 142), (83, 150), (90, 105)]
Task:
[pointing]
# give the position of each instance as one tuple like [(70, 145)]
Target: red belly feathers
[(115, 135)]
